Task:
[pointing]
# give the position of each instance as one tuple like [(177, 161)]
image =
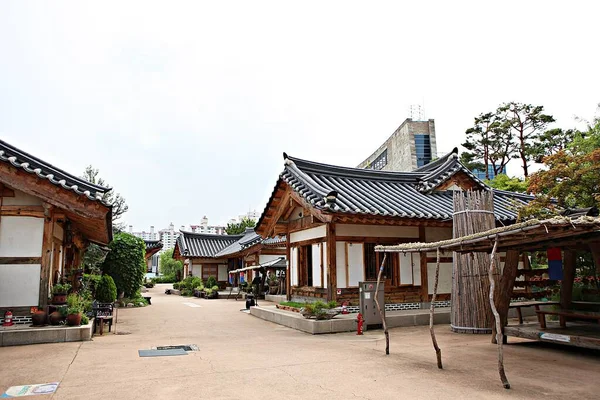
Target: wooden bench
[(563, 315), (536, 304), (103, 312)]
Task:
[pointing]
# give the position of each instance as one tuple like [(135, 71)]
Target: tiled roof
[(153, 244), (385, 193), (249, 239), (204, 245), (33, 165)]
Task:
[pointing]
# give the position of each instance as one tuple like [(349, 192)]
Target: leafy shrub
[(74, 304), (125, 263), (332, 304), (215, 288), (85, 320), (61, 288), (90, 281), (186, 292), (211, 281), (106, 292), (176, 285), (164, 279), (136, 300)]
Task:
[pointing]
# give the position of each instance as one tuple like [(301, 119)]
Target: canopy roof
[(192, 244), (278, 263), (529, 235)]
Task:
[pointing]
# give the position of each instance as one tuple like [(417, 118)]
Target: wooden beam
[(321, 216), (506, 285), (595, 250), (277, 215), (423, 259), (6, 192), (331, 263), (46, 254), (22, 211), (288, 256), (20, 260), (566, 286)]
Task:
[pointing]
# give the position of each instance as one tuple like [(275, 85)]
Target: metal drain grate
[(186, 347)]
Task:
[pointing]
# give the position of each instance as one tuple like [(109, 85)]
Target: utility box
[(368, 307)]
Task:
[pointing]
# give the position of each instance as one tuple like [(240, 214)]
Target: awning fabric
[(276, 263)]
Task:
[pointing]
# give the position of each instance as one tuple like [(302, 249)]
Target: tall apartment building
[(210, 229), (254, 215), (152, 235), (411, 146), (169, 236)]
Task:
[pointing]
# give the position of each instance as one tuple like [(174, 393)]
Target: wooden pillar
[(331, 263), (507, 283), (566, 287), (424, 280), (288, 275), (46, 254)]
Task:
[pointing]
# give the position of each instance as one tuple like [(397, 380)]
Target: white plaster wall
[(435, 234), (263, 258), (356, 264), (222, 274), (325, 261), (376, 231), (316, 264), (445, 278), (340, 254), (294, 266), (307, 234), (22, 199), (417, 269), (58, 231), (21, 237), (19, 285)]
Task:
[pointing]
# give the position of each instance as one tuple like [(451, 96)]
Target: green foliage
[(164, 279), (84, 319), (240, 227), (75, 304), (168, 265), (119, 207), (125, 263), (295, 304), (215, 288), (177, 285), (61, 288), (90, 281), (187, 292), (106, 291), (503, 182), (137, 300), (189, 283), (93, 258), (211, 281)]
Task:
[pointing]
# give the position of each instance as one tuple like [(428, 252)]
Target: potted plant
[(273, 284), (39, 318), (74, 309), (59, 293)]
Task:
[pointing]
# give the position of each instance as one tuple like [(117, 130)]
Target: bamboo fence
[(471, 311)]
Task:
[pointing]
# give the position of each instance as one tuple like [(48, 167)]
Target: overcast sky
[(187, 107)]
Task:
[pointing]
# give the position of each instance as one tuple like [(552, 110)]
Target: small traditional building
[(333, 217), (216, 255), (48, 217), (152, 249)]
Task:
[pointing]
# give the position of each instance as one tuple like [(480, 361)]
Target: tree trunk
[(438, 351), (381, 314), (499, 334)]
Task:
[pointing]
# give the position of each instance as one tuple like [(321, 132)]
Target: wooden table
[(536, 304), (564, 314)]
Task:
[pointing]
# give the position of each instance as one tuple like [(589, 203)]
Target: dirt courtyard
[(243, 357)]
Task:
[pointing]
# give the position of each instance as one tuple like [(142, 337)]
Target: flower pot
[(273, 289), (39, 318), (74, 319), (59, 298), (55, 318)]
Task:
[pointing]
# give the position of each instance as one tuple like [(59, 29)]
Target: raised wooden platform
[(578, 335)]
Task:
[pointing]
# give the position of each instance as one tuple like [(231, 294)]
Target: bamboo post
[(438, 351), (499, 333), (381, 314)]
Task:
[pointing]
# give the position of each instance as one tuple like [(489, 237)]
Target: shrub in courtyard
[(125, 263), (211, 281), (106, 291)]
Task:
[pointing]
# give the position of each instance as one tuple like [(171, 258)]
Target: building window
[(423, 147), (209, 270), (373, 262), (305, 272), (380, 162)]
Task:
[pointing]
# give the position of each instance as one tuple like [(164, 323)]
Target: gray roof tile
[(204, 245)]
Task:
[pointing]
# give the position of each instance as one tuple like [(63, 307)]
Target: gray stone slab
[(162, 353)]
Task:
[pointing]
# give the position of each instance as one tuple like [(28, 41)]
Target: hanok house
[(206, 255), (152, 248), (252, 251), (48, 217), (198, 252), (333, 217)]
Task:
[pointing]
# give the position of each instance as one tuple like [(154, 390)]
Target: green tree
[(118, 202), (503, 182), (551, 142), (106, 290), (527, 123), (168, 265), (125, 263), (93, 258), (488, 143), (240, 227), (572, 174)]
